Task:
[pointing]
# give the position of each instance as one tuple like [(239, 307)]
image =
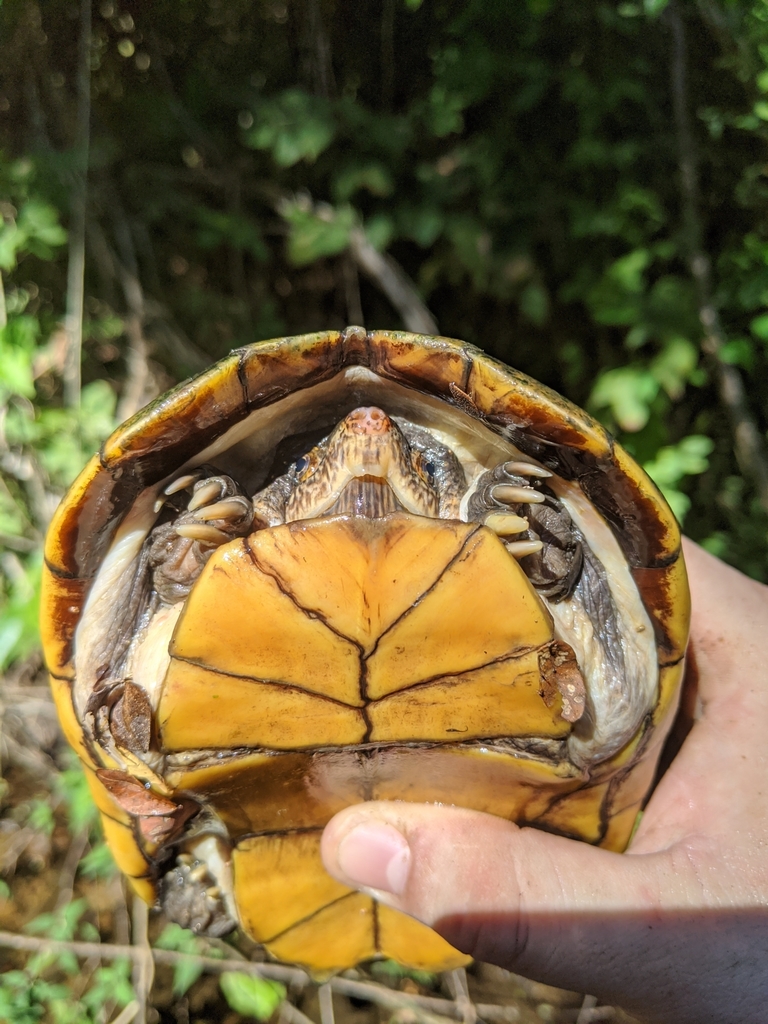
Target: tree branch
[(394, 282), (371, 992), (76, 265), (749, 447)]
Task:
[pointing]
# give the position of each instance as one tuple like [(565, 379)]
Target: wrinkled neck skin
[(366, 467)]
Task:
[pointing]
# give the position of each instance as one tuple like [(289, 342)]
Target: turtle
[(345, 566)]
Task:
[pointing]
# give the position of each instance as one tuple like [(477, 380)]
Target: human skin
[(674, 931)]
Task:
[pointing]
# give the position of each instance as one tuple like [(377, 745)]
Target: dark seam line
[(457, 675), (62, 574), (241, 376), (368, 725), (362, 680), (125, 824), (376, 928), (271, 833), (666, 664), (266, 682), (421, 596), (310, 612), (62, 679), (303, 920), (469, 364), (664, 562)]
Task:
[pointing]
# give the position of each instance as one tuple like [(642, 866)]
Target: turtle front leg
[(217, 512), (533, 524)]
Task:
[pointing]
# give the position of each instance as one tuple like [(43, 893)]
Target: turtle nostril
[(368, 420)]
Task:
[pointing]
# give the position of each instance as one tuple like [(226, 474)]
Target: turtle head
[(365, 467)]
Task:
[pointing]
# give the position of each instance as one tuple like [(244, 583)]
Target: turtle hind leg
[(190, 897)]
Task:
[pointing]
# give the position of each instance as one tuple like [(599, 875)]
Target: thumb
[(553, 909)]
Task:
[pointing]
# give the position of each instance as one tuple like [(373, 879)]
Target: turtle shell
[(326, 661)]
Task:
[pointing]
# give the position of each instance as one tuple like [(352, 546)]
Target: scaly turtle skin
[(353, 566)]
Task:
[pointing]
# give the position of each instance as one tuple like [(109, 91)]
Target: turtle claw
[(216, 513), (230, 508), (525, 469), (511, 495), (521, 548), (181, 483), (206, 492), (503, 523), (202, 533)]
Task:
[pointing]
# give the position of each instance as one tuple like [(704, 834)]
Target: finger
[(557, 910)]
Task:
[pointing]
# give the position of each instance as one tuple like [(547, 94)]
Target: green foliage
[(26, 997), (182, 940), (250, 995), (72, 789), (316, 232), (98, 862), (293, 126), (20, 607), (392, 970), (674, 463), (40, 815)]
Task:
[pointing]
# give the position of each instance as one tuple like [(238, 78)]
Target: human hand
[(676, 931)]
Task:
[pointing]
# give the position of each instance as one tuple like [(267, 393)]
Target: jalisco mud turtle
[(451, 585)]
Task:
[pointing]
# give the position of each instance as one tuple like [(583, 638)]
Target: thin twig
[(460, 992), (69, 869), (749, 446), (76, 265), (290, 1015), (394, 282), (368, 991), (585, 1013), (128, 1013), (144, 965), (135, 392), (325, 999), (396, 1000)]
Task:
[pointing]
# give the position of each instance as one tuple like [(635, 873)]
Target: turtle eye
[(301, 464), (429, 469)]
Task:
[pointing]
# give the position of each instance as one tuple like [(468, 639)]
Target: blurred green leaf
[(316, 232), (293, 126), (182, 940), (20, 612), (250, 995), (98, 862), (40, 815), (373, 177), (36, 229), (628, 391), (674, 365), (674, 463)]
